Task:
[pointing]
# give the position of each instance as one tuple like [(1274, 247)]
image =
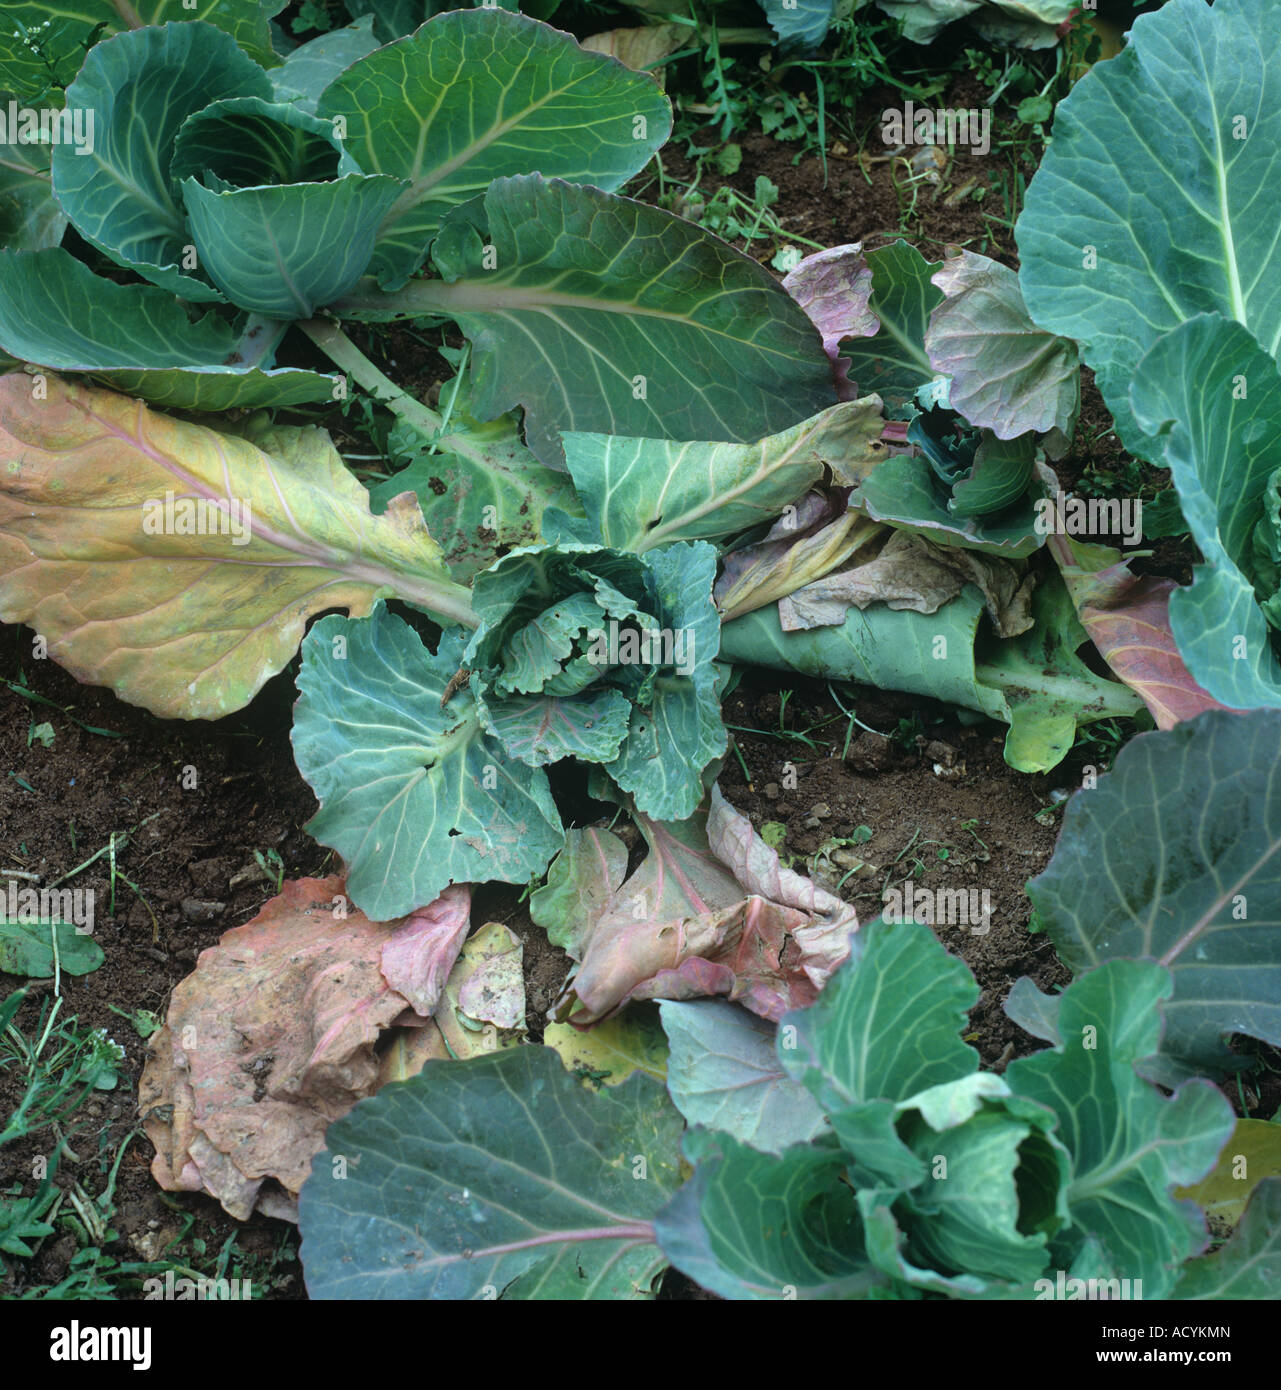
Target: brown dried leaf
[(272, 1038), (912, 572), (709, 911)]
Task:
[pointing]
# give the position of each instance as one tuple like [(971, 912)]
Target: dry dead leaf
[(272, 1038)]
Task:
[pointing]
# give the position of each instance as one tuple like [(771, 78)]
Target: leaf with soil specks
[(610, 1051), (1251, 1156), (273, 1037), (579, 884), (1249, 1265), (480, 503), (500, 1176), (494, 989)]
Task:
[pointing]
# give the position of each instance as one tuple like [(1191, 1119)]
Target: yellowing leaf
[(1252, 1154), (610, 1051), (179, 565)]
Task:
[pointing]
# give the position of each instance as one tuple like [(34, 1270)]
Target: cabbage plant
[(1166, 271), (829, 1159)]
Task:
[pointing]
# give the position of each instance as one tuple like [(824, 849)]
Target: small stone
[(937, 751), (199, 910), (821, 810), (812, 823), (251, 873), (869, 753), (771, 791)]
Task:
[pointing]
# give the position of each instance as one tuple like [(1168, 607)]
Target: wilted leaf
[(491, 954), (494, 990), (179, 565), (640, 49), (1127, 616), (1251, 1156), (1035, 682), (834, 287), (911, 572), (272, 1038), (580, 882), (709, 911), (1046, 687), (419, 955), (1006, 374), (1249, 1265), (811, 539), (610, 1051)]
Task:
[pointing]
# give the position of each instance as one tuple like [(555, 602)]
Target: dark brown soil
[(972, 824), (185, 845)]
